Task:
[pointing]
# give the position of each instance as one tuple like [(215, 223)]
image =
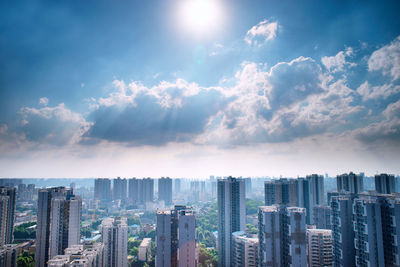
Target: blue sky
[(136, 88)]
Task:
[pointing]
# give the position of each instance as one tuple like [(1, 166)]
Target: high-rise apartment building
[(8, 255), (231, 215), (245, 250), (115, 241), (282, 191), (322, 217), (282, 236), (120, 187), (177, 185), (141, 191), (102, 189), (165, 190), (176, 238), (7, 214), (133, 190), (343, 252), (65, 223), (351, 182), (385, 183), (302, 192), (319, 247), (45, 197)]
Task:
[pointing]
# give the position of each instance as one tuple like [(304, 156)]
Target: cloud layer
[(283, 103)]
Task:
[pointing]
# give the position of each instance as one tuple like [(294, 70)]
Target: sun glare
[(200, 16)]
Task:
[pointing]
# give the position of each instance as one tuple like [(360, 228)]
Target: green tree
[(252, 206), (26, 259), (207, 257)]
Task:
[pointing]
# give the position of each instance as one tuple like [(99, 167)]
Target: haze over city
[(198, 88)]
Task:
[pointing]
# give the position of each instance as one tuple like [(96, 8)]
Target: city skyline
[(199, 87)]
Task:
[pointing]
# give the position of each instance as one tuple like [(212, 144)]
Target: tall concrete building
[(245, 250), (133, 190), (319, 247), (115, 241), (165, 190), (385, 183), (343, 251), (8, 255), (302, 192), (120, 187), (376, 220), (45, 197), (322, 217), (7, 214), (231, 215), (282, 236), (177, 185), (102, 189), (141, 191), (317, 188), (351, 182), (282, 191), (65, 223), (176, 238)]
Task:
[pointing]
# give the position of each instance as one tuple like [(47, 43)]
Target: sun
[(200, 16)]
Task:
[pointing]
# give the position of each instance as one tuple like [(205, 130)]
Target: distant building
[(115, 241), (282, 191), (282, 236), (102, 189), (165, 190), (319, 247), (177, 185), (176, 238), (7, 214), (351, 182), (247, 182), (244, 250), (231, 216), (144, 253), (141, 191), (322, 217), (385, 183), (120, 187), (302, 192)]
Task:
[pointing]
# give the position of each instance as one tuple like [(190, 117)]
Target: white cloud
[(52, 125), (338, 62), (44, 101), (369, 92), (262, 32), (387, 59)]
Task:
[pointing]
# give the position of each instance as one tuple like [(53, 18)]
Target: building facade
[(176, 237), (319, 247), (231, 215)]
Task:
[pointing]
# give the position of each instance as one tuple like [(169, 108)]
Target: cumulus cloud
[(338, 62), (168, 112), (387, 59), (264, 31), (52, 125), (369, 92)]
